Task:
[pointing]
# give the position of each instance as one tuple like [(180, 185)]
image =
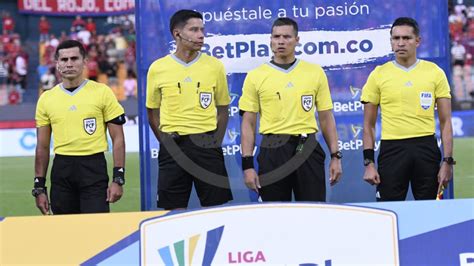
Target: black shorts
[(283, 170), (79, 184), (182, 162), (414, 161)]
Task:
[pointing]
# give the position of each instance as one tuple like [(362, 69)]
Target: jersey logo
[(426, 99), (205, 98), (307, 102), (90, 125)]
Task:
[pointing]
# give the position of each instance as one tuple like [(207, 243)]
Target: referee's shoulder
[(162, 62), (430, 65), (311, 66)]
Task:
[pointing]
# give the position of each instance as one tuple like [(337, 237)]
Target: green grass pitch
[(16, 180)]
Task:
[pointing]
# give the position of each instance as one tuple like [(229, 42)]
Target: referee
[(286, 92), (187, 101), (408, 90), (78, 112)]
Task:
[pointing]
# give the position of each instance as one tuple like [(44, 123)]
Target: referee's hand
[(251, 179), (42, 203), (114, 192), (371, 175)]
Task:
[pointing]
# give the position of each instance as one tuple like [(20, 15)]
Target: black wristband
[(119, 172), (247, 162), (369, 154), (39, 182)]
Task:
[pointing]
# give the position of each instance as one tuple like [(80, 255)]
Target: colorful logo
[(356, 130), (355, 91), (213, 239)]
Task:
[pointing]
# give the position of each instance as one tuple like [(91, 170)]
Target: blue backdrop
[(347, 38)]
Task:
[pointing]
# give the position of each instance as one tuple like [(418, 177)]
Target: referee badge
[(426, 100), (307, 102), (205, 98), (90, 125)]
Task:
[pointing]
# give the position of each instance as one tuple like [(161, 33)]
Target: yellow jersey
[(407, 97), (187, 93), (286, 99), (78, 118)]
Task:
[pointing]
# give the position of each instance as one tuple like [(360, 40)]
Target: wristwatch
[(119, 180), (337, 154), (449, 160), (368, 161), (38, 191)]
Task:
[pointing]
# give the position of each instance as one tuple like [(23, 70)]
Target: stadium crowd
[(461, 30)]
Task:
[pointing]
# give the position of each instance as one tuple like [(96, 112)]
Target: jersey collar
[(76, 90), (406, 69), (282, 69), (179, 61)]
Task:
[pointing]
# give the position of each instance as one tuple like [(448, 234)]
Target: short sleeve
[(371, 91), (442, 89), (249, 100), (222, 90), (112, 107), (41, 115), (153, 91), (323, 95)]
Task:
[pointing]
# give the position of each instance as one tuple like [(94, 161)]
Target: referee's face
[(283, 41), (404, 42), (70, 63), (191, 36)]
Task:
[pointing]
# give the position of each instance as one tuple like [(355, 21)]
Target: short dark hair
[(284, 22), (181, 17), (406, 21), (70, 44)]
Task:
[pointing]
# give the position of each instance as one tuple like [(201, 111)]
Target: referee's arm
[(371, 175), (444, 113), (154, 121), (115, 191), (43, 140), (248, 127), (222, 119), (328, 127)]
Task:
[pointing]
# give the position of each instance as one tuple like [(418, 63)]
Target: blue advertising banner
[(348, 39)]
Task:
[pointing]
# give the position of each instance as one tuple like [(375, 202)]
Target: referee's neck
[(74, 83), (186, 55)]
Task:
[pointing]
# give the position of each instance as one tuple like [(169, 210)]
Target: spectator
[(44, 28), (21, 70), (78, 24), (48, 79), (53, 41), (92, 68), (84, 36), (90, 26), (130, 84), (8, 23)]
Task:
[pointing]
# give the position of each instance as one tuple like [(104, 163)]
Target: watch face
[(119, 180), (367, 162)]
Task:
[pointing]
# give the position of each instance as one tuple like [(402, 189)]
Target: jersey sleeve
[(112, 107), (371, 91), (249, 100), (323, 95), (222, 90), (153, 91), (442, 89), (41, 115)]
